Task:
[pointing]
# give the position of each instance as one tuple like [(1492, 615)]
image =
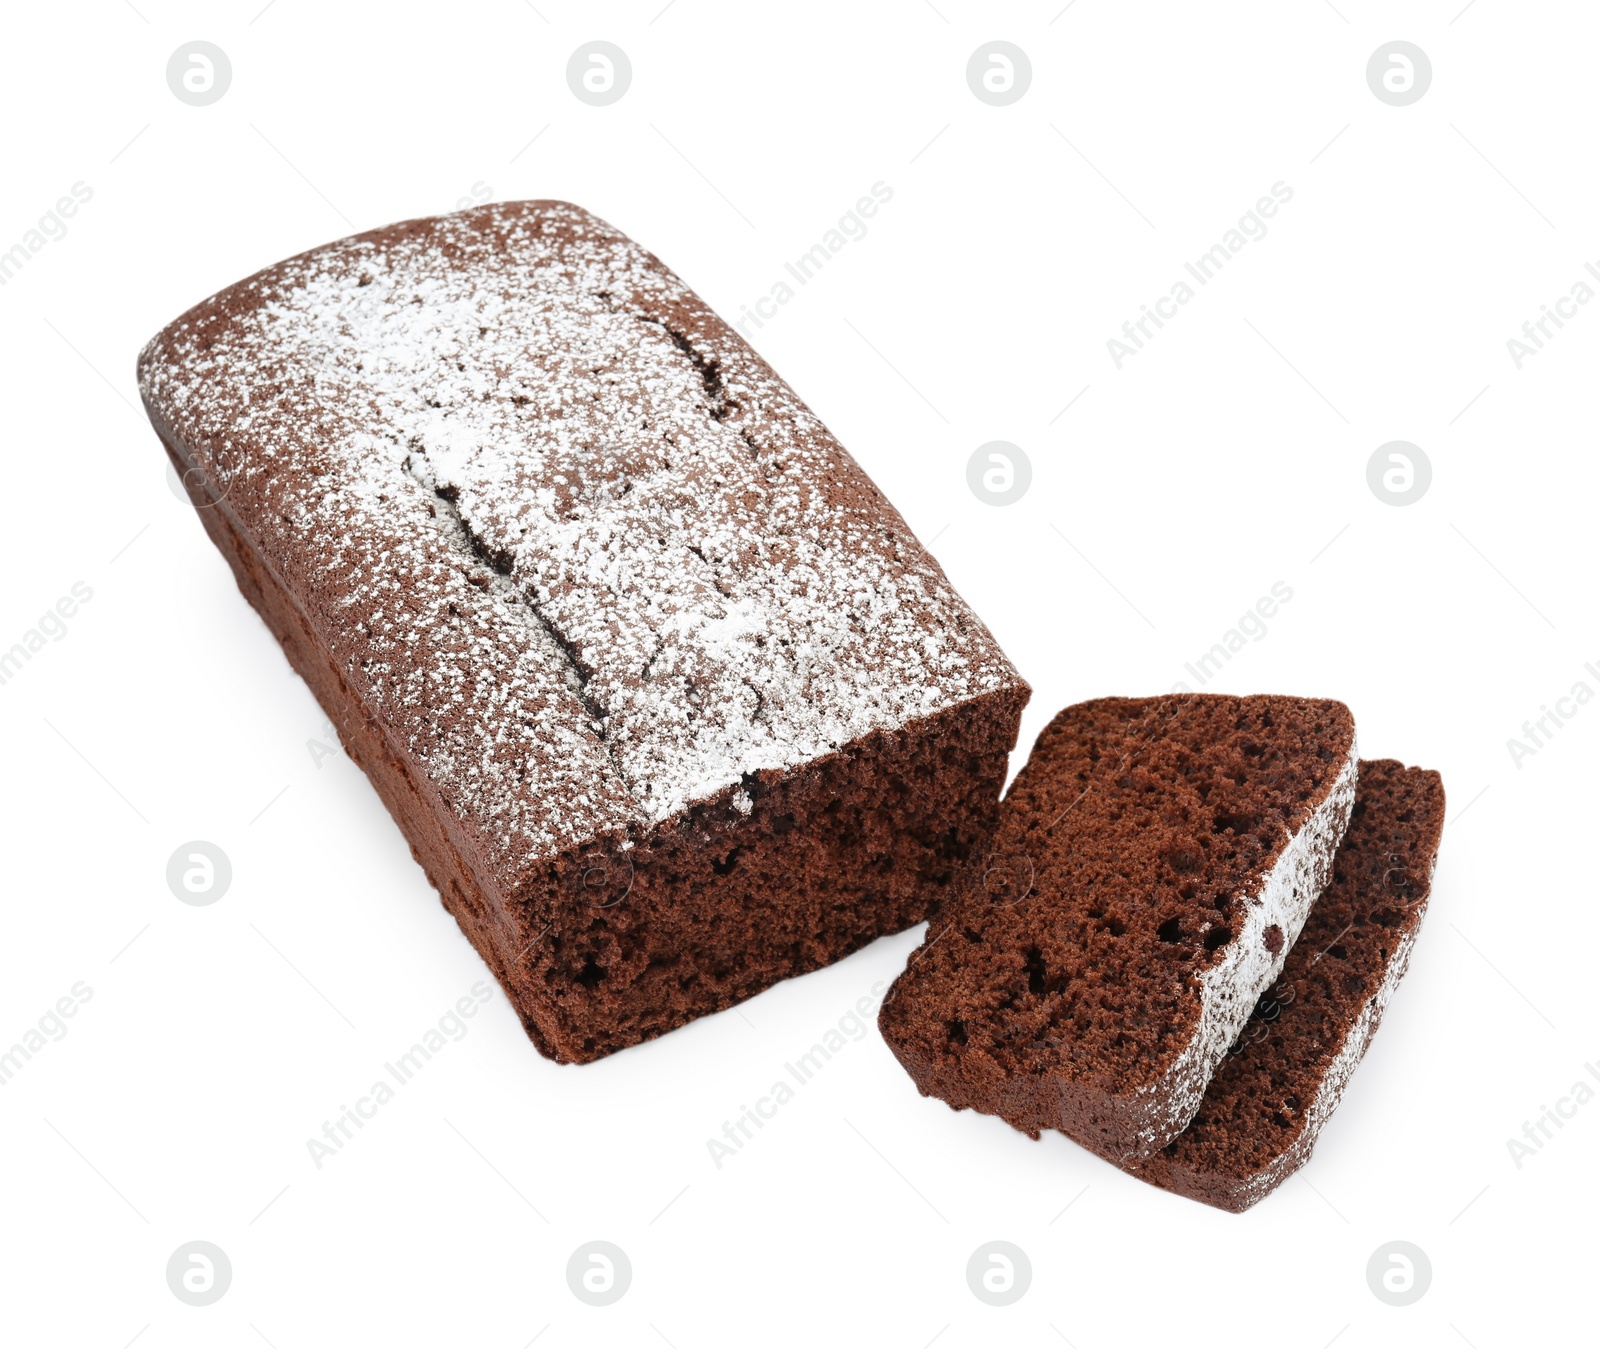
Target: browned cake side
[(666, 698), (1286, 1075), (1154, 863)]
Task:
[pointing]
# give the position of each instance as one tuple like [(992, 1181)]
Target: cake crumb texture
[(1154, 859)]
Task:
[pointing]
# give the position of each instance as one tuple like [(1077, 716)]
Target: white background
[(1228, 455)]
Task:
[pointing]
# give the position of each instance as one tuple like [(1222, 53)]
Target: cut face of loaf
[(1286, 1075), (665, 696), (1154, 863)]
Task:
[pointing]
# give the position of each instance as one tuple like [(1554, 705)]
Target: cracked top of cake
[(590, 559)]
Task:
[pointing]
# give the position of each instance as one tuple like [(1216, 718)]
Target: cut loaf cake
[(665, 696)]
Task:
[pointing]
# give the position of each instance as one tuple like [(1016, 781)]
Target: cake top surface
[(1258, 1102), (593, 560), (1128, 850)]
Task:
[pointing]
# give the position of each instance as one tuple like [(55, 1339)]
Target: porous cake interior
[(1130, 836), (1257, 1102), (725, 901)]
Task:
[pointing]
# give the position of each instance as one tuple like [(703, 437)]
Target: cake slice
[(1154, 863), (667, 699), (1286, 1074)]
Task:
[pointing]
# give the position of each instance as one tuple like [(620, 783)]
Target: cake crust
[(668, 700), (1158, 857), (1283, 1079)]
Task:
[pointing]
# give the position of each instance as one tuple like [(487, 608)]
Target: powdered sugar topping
[(614, 544)]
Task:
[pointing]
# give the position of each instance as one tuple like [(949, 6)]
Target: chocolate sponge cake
[(1154, 863), (668, 701), (1286, 1074)]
